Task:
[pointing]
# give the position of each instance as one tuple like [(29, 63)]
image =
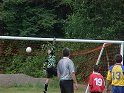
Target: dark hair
[(52, 52), (118, 58), (66, 52), (96, 68)]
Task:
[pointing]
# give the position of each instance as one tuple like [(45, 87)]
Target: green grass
[(52, 88), (31, 90), (35, 90)]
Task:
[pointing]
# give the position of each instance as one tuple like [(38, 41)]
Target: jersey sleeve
[(71, 66), (109, 76), (45, 64)]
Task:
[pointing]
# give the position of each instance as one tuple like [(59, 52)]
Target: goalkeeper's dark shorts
[(51, 72)]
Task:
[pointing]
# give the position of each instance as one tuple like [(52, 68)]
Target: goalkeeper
[(50, 67)]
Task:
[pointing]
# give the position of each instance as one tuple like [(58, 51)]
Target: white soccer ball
[(28, 49)]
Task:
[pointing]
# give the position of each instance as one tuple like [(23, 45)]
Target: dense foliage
[(96, 19), (31, 18)]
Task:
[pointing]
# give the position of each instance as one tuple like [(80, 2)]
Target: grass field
[(31, 90), (53, 88), (35, 90)]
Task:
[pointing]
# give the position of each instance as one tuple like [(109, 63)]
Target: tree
[(25, 18), (96, 19)]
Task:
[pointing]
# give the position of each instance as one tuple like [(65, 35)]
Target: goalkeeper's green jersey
[(51, 61)]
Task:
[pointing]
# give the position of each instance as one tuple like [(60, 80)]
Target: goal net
[(84, 54)]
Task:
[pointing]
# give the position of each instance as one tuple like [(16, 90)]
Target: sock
[(45, 87)]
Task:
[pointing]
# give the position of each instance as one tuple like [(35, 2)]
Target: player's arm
[(108, 86), (45, 64), (108, 81), (72, 71), (58, 73), (74, 79)]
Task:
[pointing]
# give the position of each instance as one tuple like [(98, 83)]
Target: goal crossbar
[(61, 40)]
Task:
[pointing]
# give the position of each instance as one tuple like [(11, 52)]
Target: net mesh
[(14, 59), (86, 58)]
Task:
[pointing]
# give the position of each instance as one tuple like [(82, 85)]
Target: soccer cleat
[(44, 91)]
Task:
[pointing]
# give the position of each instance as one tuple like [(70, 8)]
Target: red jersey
[(96, 82)]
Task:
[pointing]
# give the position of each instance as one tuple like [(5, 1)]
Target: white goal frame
[(66, 40)]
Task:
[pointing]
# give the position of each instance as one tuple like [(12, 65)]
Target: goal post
[(61, 40), (122, 52), (84, 53), (66, 40)]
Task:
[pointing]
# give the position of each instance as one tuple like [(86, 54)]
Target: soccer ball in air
[(28, 49)]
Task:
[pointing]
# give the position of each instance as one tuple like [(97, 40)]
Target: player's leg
[(46, 85), (118, 89), (122, 89), (115, 89), (69, 88), (66, 86), (62, 88), (49, 75)]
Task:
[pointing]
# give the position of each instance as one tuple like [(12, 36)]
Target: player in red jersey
[(96, 81)]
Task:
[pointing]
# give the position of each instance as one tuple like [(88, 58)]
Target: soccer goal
[(84, 53)]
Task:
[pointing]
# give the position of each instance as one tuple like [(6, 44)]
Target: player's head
[(118, 58), (66, 52), (49, 51), (96, 68)]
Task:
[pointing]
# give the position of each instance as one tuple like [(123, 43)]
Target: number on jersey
[(98, 81), (116, 75)]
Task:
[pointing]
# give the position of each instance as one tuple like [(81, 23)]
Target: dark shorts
[(117, 89), (51, 72), (66, 86)]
